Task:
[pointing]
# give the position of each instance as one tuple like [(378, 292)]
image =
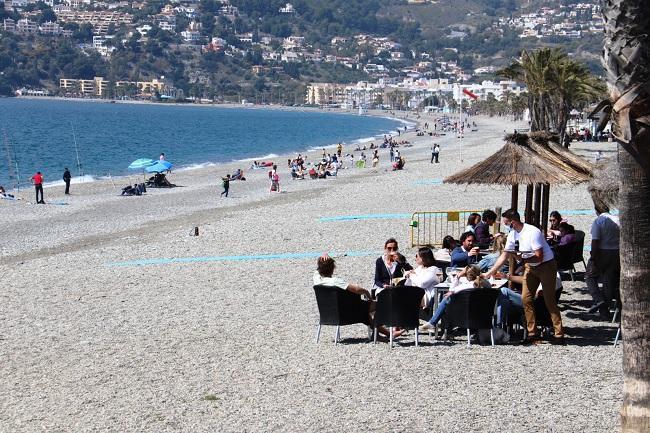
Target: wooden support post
[(515, 197), (546, 190), (497, 223), (528, 210), (538, 204)]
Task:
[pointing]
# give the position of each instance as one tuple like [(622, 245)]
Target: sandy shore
[(215, 332)]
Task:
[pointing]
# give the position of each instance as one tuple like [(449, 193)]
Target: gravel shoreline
[(224, 340)]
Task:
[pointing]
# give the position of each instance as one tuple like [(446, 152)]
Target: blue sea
[(45, 135)]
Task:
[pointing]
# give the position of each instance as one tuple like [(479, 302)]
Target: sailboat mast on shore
[(12, 160), (76, 149)]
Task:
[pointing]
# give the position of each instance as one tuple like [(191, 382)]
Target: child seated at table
[(468, 278)]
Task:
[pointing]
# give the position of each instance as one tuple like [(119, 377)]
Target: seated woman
[(567, 233), (444, 253), (390, 265), (468, 278), (472, 221), (398, 164), (489, 260), (425, 274), (313, 174), (555, 219)]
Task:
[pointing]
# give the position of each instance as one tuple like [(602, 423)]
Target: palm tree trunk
[(627, 61)]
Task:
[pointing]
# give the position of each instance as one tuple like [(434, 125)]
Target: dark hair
[(465, 235), (555, 214), (567, 227), (600, 206), (512, 214), (426, 255), (448, 242), (390, 241), (472, 218), (489, 214), (326, 266)]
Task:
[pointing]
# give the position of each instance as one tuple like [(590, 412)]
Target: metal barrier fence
[(429, 228)]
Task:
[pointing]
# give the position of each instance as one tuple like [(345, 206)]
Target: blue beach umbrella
[(159, 167), (141, 163)]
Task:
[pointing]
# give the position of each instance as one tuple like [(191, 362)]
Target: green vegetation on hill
[(461, 31)]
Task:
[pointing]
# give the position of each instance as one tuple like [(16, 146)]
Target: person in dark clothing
[(37, 180), (482, 229), (226, 185), (391, 265), (66, 178)]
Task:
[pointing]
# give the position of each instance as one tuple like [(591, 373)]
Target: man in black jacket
[(66, 178)]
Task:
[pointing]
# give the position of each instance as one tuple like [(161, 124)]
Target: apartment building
[(325, 94)]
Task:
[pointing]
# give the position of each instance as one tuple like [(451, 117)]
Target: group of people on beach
[(38, 180), (534, 276)]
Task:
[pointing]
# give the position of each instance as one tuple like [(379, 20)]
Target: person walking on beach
[(275, 179), (435, 152), (226, 185), (37, 180), (66, 178)]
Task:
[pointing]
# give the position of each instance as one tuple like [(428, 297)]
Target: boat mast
[(12, 162), (76, 149)]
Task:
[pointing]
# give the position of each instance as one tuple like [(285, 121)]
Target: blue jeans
[(508, 300), (440, 310)]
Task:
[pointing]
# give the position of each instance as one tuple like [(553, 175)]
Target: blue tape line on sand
[(167, 261), (366, 217), (381, 216), (428, 182)]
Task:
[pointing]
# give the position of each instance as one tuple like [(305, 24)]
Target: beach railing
[(428, 228)]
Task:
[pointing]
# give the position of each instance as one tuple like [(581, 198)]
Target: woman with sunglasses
[(390, 265)]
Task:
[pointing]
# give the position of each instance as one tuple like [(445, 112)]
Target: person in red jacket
[(37, 180)]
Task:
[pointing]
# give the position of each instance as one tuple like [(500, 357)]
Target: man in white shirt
[(605, 262), (528, 243)]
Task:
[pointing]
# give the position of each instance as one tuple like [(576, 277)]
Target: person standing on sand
[(162, 157), (226, 185), (37, 180), (275, 179), (435, 152), (66, 178)]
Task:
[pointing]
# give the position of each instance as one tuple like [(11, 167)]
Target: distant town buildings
[(98, 86)]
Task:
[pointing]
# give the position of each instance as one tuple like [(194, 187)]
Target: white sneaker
[(427, 327)]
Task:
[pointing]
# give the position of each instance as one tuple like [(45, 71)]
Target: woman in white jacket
[(425, 275)]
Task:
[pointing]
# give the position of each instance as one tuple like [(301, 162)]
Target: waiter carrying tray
[(528, 244)]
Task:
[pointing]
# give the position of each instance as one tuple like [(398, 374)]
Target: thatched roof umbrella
[(535, 160), (604, 184)]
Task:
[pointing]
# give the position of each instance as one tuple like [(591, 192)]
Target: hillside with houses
[(300, 52)]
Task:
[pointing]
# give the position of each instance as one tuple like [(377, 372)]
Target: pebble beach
[(114, 318)]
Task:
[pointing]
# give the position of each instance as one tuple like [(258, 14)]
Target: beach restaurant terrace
[(534, 159)]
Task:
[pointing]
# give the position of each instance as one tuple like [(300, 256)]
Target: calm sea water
[(42, 135)]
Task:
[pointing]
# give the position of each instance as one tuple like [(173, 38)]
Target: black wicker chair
[(471, 309), (399, 307), (339, 308)]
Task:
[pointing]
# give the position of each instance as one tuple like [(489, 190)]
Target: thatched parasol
[(604, 184), (535, 160)]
